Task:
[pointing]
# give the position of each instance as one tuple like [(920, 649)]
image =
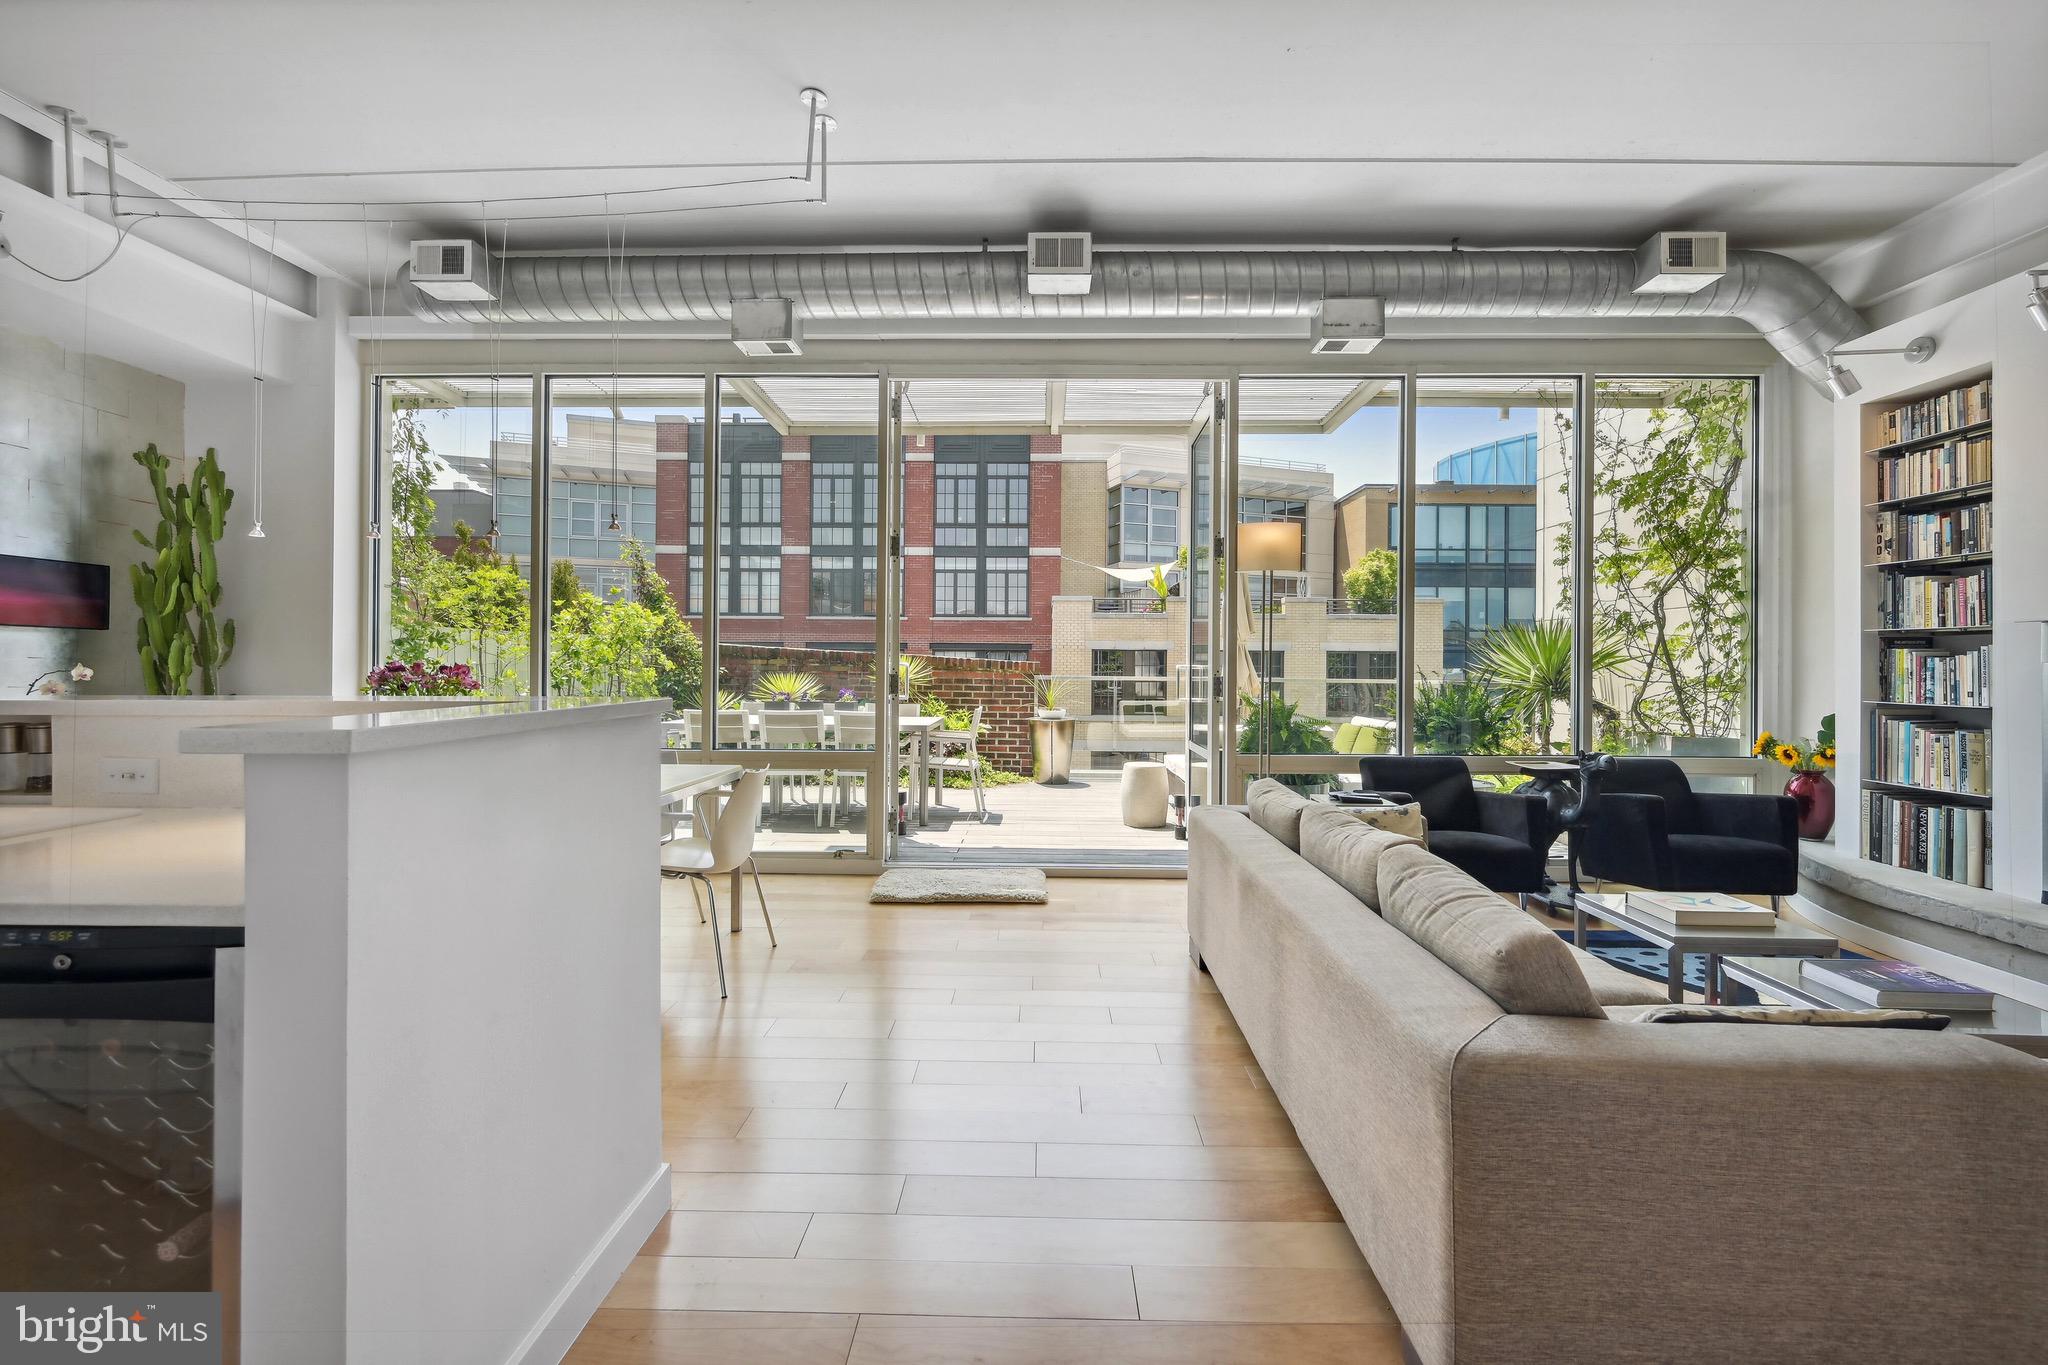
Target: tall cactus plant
[(177, 585)]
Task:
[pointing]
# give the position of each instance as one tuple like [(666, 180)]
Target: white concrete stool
[(1144, 793)]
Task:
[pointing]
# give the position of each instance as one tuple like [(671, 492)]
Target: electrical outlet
[(128, 776)]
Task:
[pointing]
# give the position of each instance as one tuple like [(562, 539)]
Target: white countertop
[(407, 729), (106, 865)]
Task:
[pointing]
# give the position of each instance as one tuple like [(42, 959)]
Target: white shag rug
[(921, 885)]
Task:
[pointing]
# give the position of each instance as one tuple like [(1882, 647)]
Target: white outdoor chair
[(955, 751), (797, 730), (853, 730), (723, 843)]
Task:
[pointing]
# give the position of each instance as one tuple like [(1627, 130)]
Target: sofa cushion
[(1613, 986), (1277, 809), (1523, 967), (1347, 850)]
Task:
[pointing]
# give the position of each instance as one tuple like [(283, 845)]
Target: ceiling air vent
[(766, 327), (1680, 262), (1059, 262), (451, 268), (1348, 326)]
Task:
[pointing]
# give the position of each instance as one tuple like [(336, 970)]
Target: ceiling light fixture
[(614, 526), (259, 335), (1843, 383), (2037, 298)]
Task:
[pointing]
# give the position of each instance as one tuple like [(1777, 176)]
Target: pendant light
[(614, 528), (497, 320), (259, 334), (376, 527)]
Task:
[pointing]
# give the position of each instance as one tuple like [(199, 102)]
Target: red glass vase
[(1815, 796)]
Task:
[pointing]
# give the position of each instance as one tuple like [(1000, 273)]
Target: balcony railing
[(1131, 605)]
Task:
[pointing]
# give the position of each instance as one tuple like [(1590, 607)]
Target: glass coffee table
[(1781, 939), (2011, 1022)]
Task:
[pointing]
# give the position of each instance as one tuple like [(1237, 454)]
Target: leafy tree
[(564, 587), (1670, 556), (1529, 663), (604, 649), (421, 576), (1463, 718), (682, 669), (1373, 582)]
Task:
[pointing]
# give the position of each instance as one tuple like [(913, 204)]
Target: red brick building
[(982, 535)]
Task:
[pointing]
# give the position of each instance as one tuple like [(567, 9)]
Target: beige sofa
[(1533, 1188)]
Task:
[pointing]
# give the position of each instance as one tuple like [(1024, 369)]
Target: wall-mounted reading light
[(2037, 298), (1842, 382)]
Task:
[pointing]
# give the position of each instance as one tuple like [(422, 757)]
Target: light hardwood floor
[(1017, 1135)]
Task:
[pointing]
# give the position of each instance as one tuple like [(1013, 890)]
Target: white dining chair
[(957, 751), (798, 730), (854, 730), (723, 843)]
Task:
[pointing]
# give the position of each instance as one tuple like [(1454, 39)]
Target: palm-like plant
[(1160, 585), (1530, 664), (788, 686)]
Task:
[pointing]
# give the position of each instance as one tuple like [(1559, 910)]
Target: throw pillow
[(1525, 968), (1277, 809), (1347, 850), (1771, 1014)]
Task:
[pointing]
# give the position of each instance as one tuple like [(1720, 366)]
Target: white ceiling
[(1797, 125)]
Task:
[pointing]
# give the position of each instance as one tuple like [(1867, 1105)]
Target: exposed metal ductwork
[(1790, 306)]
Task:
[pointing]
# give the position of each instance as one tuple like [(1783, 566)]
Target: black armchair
[(1501, 839), (1649, 828)]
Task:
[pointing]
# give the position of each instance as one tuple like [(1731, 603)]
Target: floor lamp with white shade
[(1267, 547)]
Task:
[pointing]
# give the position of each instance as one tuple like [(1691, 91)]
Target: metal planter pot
[(1052, 749)]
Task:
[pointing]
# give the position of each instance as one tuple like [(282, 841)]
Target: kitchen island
[(452, 1125)]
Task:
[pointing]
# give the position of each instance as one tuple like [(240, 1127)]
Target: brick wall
[(1002, 690)]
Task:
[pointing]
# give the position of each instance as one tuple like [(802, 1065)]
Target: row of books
[(1950, 842), (1898, 536), (1939, 754), (1934, 601), (1962, 407), (1935, 677), (1937, 469)]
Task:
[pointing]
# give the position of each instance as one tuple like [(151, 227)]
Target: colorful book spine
[(1902, 536), (1935, 601), (1950, 842), (1928, 417), (1964, 463), (1934, 677), (1940, 755)]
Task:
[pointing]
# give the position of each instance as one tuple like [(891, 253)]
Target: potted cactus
[(177, 584)]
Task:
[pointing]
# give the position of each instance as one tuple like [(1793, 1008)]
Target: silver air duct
[(1789, 305)]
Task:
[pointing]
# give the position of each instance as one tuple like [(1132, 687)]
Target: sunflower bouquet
[(1798, 755)]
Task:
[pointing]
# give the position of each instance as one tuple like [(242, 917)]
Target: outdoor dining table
[(918, 729)]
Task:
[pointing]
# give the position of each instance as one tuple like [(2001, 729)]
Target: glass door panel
[(1198, 686), (795, 592), (623, 591), (1491, 595), (1325, 450), (455, 540)]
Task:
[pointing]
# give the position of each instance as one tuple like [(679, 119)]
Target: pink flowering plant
[(399, 679)]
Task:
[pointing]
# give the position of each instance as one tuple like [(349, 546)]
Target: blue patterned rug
[(1631, 954)]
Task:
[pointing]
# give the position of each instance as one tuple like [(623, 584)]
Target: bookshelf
[(1928, 556)]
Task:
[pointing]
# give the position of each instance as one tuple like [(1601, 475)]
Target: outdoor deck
[(1079, 823)]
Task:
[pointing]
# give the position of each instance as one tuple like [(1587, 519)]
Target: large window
[(1127, 683), (844, 498), (981, 526), (453, 553), (1144, 525), (1673, 468), (1492, 589)]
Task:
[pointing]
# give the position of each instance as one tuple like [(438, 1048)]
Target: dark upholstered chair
[(1649, 828), (1501, 839)]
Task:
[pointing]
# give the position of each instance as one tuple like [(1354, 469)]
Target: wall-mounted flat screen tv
[(52, 592)]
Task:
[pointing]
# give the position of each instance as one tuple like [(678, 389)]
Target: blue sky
[(1366, 449)]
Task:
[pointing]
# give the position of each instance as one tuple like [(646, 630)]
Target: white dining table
[(918, 729), (681, 782)]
